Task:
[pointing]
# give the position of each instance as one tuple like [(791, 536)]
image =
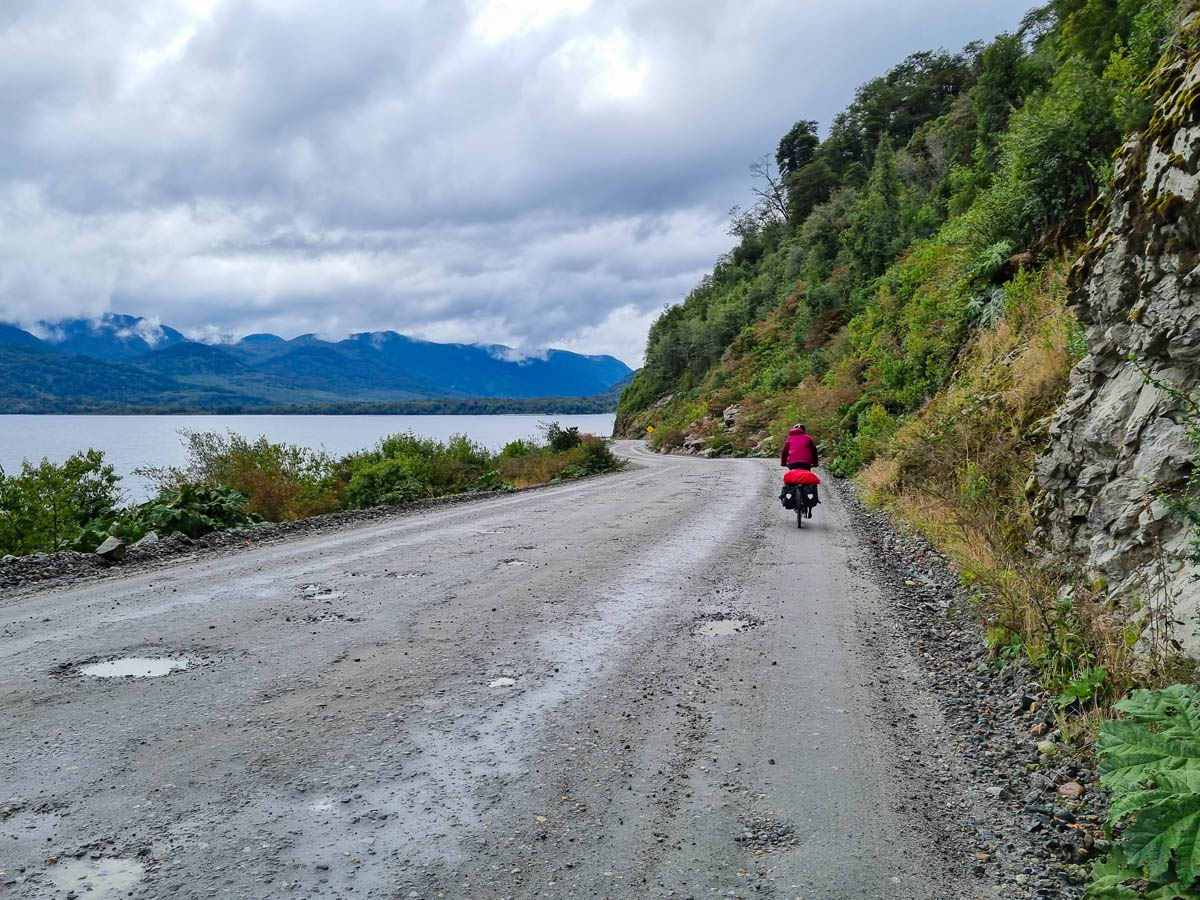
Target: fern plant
[(1150, 760)]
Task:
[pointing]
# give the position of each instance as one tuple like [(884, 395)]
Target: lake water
[(130, 442)]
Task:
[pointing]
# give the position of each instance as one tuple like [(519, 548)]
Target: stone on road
[(539, 695)]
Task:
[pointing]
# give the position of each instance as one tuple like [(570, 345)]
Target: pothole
[(322, 592), (410, 575), (328, 618), (767, 834), (96, 879), (502, 682), (137, 667), (511, 563), (722, 627)]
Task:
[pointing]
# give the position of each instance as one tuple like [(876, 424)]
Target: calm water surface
[(130, 442)]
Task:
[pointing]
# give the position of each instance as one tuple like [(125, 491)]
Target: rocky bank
[(1120, 441)]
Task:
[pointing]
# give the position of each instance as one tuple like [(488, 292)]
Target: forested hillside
[(904, 288), (945, 197)]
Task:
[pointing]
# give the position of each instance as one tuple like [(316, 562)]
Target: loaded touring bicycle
[(799, 493)]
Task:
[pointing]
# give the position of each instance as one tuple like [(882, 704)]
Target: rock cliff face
[(1118, 441)]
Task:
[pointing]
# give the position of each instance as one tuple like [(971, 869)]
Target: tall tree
[(876, 222), (797, 148)]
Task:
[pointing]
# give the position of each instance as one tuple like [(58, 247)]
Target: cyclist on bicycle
[(799, 451)]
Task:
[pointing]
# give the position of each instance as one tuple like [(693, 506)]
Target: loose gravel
[(1037, 818)]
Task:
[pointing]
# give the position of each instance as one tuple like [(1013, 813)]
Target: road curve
[(512, 698)]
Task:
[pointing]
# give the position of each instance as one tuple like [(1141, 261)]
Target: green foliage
[(873, 427), (1133, 58), (280, 481), (809, 187), (1150, 761), (388, 480), (517, 448), (1049, 157), (561, 439), (598, 457), (875, 228), (1089, 688), (48, 506), (797, 147), (232, 482), (192, 509)]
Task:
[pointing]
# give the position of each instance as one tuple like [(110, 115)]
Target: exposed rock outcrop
[(1119, 442)]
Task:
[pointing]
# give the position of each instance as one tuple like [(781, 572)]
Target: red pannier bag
[(800, 476)]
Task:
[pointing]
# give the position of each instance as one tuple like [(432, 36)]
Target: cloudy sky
[(530, 172)]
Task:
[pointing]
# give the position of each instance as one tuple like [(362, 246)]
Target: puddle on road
[(722, 627), (410, 575), (509, 563), (137, 667), (96, 879), (502, 682)]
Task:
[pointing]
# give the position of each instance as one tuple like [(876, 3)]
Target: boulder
[(146, 541), (730, 415), (112, 550)]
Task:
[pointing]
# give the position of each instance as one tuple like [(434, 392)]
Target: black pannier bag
[(789, 495)]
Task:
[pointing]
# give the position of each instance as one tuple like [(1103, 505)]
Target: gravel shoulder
[(649, 684)]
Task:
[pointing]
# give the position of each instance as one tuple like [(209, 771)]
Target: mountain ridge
[(76, 364)]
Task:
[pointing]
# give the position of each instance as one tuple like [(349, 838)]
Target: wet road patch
[(96, 879), (137, 667), (722, 627), (511, 563), (725, 624)]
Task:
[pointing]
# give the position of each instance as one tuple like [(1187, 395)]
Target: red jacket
[(798, 448)]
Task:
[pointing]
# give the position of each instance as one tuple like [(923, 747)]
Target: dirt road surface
[(539, 695)]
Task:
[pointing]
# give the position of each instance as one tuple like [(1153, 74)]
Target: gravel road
[(540, 695)]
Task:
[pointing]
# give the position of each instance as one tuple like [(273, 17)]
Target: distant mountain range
[(126, 364)]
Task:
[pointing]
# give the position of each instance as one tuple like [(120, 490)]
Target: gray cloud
[(531, 172)]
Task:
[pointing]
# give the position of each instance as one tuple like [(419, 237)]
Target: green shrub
[(383, 481), (598, 456), (517, 448), (561, 439), (194, 510), (280, 481), (47, 506)]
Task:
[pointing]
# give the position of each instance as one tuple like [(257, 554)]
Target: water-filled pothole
[(509, 563), (96, 879), (502, 682), (137, 667), (410, 574), (722, 627)]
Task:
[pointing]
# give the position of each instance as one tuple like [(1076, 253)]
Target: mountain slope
[(264, 368), (913, 308), (33, 379)]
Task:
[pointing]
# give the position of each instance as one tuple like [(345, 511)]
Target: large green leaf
[(1132, 756), (1166, 828), (1109, 879), (1176, 710)]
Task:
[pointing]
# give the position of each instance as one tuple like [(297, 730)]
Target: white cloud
[(527, 172)]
